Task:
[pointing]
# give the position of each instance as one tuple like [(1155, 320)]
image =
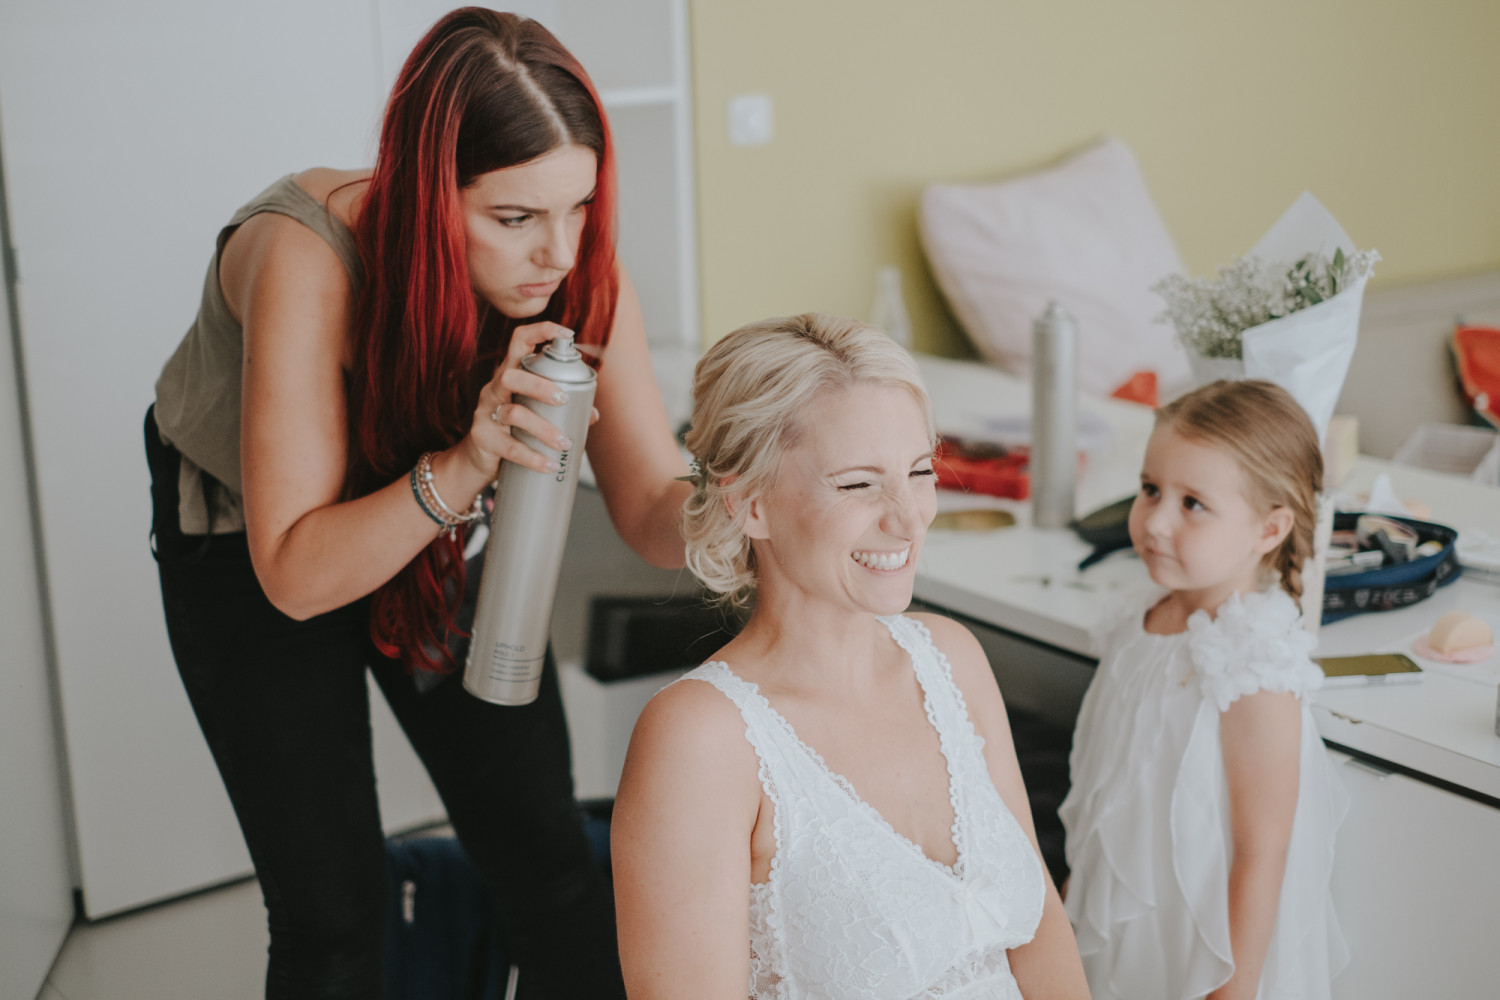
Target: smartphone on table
[(1370, 668)]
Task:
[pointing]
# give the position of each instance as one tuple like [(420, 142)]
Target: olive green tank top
[(198, 393)]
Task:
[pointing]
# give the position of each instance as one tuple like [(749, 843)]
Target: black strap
[(165, 463), (1343, 603)]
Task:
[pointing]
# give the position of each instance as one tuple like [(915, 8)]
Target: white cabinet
[(130, 134), (1416, 881)]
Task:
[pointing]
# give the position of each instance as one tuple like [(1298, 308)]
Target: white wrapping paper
[(1308, 352)]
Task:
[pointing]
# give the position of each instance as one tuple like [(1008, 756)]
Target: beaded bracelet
[(425, 490)]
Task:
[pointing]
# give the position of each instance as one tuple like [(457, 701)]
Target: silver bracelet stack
[(423, 488)]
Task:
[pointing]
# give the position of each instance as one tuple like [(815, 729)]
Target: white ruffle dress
[(852, 910), (1147, 818)]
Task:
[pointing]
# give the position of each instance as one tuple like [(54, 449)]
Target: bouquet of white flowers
[(1211, 317), (1287, 312)]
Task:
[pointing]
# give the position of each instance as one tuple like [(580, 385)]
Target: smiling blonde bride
[(830, 806)]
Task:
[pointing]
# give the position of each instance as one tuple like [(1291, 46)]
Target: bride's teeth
[(882, 560)]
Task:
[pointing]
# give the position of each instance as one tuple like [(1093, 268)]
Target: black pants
[(284, 709)]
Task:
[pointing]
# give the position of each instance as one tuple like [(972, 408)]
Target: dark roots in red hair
[(481, 91)]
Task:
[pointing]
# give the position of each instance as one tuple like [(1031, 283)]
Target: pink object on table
[(1474, 654)]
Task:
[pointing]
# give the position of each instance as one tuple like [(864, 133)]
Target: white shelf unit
[(637, 54)]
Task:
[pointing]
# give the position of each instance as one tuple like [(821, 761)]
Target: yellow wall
[(1387, 110)]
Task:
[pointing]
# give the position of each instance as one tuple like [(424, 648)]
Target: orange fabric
[(1140, 388), (1476, 350)]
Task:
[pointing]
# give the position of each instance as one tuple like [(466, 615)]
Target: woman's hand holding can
[(490, 440)]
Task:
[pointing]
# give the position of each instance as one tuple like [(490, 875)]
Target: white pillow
[(1084, 233)]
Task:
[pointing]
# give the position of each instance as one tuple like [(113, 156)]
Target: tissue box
[(1471, 452)]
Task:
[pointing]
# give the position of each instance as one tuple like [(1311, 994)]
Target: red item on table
[(988, 469)]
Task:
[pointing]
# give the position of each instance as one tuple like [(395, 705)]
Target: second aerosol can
[(528, 531), (1054, 418)]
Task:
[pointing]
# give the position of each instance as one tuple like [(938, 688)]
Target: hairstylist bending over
[(355, 324)]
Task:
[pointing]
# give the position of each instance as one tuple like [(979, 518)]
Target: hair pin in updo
[(695, 476)]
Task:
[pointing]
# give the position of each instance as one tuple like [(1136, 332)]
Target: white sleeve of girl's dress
[(1257, 643)]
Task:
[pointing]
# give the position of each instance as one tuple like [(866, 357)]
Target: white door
[(35, 883), (131, 133)]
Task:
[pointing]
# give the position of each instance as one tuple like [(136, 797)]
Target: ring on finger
[(495, 414)]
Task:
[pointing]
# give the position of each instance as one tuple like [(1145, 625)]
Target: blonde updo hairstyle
[(749, 391), (1271, 437)]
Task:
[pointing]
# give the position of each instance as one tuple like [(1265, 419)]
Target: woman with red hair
[(354, 326)]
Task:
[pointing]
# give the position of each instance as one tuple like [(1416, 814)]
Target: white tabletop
[(1025, 580), (1444, 725)]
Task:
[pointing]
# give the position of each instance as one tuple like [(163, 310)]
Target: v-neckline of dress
[(957, 830)]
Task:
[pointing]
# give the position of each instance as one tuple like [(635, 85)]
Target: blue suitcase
[(445, 939)]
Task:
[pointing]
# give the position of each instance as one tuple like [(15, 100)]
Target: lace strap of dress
[(762, 729), (945, 702), (962, 746), (762, 733), (718, 674)]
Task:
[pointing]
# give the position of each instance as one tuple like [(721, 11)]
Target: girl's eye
[(1193, 503), (513, 221), (1148, 490), (917, 473), (850, 487)]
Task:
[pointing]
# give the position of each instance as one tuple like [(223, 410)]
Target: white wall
[(1405, 353), (36, 886)]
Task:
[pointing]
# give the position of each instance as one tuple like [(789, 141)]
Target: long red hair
[(481, 91)]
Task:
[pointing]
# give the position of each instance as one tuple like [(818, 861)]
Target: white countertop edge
[(1009, 617), (1405, 751), (1377, 739)]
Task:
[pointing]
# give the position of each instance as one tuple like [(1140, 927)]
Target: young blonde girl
[(1203, 807)]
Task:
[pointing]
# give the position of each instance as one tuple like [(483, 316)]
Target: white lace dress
[(1148, 814), (852, 909)]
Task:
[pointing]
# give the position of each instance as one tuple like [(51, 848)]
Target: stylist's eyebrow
[(524, 210)]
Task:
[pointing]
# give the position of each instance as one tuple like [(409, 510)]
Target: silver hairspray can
[(1054, 418), (528, 531)]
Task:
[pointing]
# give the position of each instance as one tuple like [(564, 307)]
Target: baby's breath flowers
[(1210, 316)]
